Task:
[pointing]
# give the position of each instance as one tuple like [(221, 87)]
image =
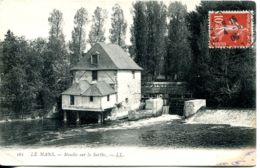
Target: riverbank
[(32, 117), (24, 119), (128, 156)]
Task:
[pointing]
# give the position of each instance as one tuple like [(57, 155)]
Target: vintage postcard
[(127, 83)]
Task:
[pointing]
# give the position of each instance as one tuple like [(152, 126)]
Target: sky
[(29, 18)]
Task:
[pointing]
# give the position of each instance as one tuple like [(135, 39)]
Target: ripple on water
[(136, 124), (162, 131)]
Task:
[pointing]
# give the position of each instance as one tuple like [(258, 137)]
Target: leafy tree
[(118, 29), (178, 51), (21, 75), (12, 73), (38, 49), (97, 32), (10, 50), (56, 23), (78, 43), (156, 31), (225, 77), (139, 35), (34, 72), (1, 60), (148, 37), (33, 66), (56, 66)]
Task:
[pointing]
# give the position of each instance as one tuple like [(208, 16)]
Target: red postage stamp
[(230, 29)]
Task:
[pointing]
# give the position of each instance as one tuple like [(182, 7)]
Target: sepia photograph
[(127, 83)]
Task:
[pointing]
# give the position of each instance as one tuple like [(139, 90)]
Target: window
[(72, 100), (91, 98), (95, 58), (133, 73), (108, 97), (94, 75)]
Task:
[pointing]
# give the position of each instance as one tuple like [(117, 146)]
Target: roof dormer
[(95, 58)]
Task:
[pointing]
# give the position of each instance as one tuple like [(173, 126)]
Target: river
[(163, 131)]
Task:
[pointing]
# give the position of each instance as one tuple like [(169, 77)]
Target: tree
[(56, 64), (97, 32), (148, 37), (12, 73), (225, 77), (139, 35), (38, 49), (156, 32), (56, 21), (21, 75), (1, 60), (118, 29), (178, 50), (78, 42)]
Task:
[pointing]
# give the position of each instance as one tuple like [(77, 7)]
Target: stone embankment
[(153, 108), (193, 106)]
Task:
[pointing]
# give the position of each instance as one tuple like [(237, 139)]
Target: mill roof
[(77, 88), (111, 57), (100, 88)]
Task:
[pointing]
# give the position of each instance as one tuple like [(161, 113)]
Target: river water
[(163, 131)]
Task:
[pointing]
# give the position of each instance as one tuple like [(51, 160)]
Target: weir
[(234, 117)]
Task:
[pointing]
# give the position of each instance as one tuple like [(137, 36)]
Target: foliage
[(78, 43), (35, 72), (118, 29), (225, 77), (178, 51), (139, 35), (97, 32), (56, 64), (55, 22), (156, 32), (21, 79), (148, 37), (1, 60)]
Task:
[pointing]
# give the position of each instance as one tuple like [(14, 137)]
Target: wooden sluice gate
[(176, 105), (174, 94)]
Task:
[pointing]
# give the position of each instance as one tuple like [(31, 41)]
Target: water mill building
[(104, 78)]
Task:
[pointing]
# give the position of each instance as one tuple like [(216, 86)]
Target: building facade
[(105, 77)]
